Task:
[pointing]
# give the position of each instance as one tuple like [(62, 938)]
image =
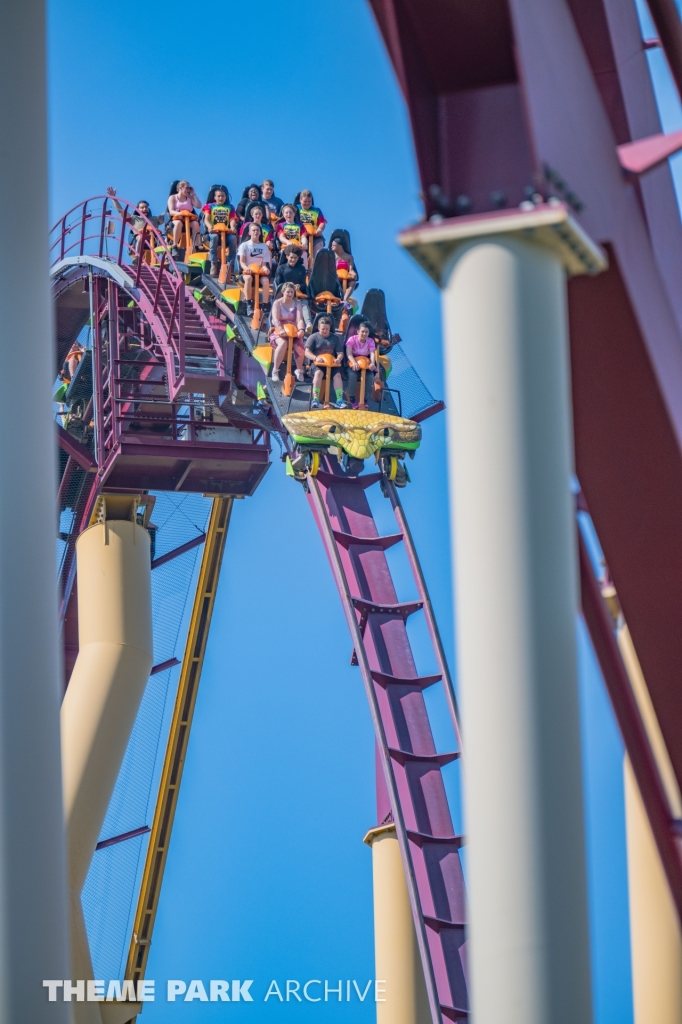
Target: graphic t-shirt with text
[(219, 213), (254, 252)]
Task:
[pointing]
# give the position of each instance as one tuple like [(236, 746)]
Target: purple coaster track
[(411, 765)]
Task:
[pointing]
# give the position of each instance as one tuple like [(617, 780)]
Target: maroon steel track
[(409, 760)]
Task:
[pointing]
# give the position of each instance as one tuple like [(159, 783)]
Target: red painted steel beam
[(122, 838), (629, 464), (427, 413), (78, 452), (163, 665), (180, 550), (630, 724), (181, 450)]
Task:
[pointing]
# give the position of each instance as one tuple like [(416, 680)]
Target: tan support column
[(102, 701), (655, 934), (398, 963), (655, 939)]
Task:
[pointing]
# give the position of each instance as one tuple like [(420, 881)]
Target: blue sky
[(267, 875)]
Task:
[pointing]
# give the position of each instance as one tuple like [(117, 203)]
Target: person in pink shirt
[(360, 344), (185, 200)]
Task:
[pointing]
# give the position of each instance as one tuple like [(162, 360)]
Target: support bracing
[(176, 748)]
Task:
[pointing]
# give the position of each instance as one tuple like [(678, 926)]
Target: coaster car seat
[(354, 323), (343, 237), (324, 287), (374, 310)]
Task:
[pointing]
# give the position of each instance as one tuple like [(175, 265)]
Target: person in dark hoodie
[(291, 270)]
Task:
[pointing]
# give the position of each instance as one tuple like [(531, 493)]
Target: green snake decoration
[(358, 432)]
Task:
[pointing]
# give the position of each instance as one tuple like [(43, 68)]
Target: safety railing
[(97, 227), (102, 227)]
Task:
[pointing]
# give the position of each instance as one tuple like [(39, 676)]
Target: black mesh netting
[(414, 394)]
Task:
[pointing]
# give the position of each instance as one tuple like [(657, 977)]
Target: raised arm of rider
[(111, 192)]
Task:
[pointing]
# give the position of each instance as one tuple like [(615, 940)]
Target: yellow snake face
[(360, 433)]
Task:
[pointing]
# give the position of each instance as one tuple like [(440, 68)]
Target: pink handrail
[(72, 235), (64, 229)]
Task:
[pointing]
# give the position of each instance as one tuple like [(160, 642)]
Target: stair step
[(440, 922), (454, 1013), (401, 610), (423, 838), (385, 542), (407, 756), (420, 682)]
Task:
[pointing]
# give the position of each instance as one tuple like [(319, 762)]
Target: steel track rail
[(178, 738), (410, 762)]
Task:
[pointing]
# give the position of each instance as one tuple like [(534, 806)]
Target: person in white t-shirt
[(255, 250)]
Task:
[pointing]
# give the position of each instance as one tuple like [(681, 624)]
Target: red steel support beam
[(180, 550), (75, 449)]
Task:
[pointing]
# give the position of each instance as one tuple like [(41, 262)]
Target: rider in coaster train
[(344, 261), (292, 271), (291, 232), (321, 342), (360, 344), (251, 194), (185, 200), (255, 215), (255, 250), (273, 203), (312, 217), (218, 210), (287, 310), (136, 217)]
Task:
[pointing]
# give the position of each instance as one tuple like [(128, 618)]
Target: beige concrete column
[(101, 703), (655, 934), (655, 938), (505, 327), (398, 963)]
